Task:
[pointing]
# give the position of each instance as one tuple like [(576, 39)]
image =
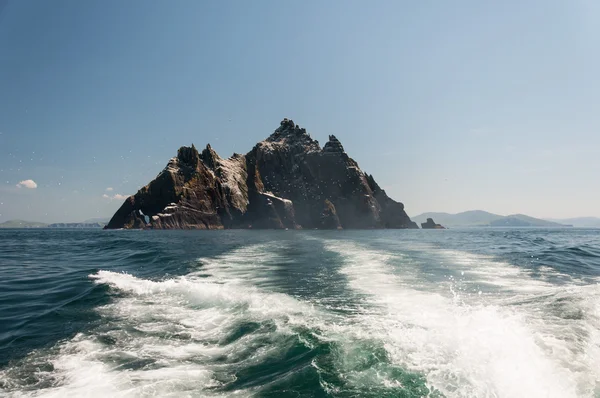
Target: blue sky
[(450, 105)]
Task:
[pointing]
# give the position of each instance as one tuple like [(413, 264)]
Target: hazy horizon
[(482, 106), (411, 215)]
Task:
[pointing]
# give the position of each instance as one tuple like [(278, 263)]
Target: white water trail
[(477, 345), (169, 337), (174, 332)]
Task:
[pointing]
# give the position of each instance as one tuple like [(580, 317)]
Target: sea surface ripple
[(385, 313)]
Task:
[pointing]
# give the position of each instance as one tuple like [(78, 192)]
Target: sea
[(377, 313)]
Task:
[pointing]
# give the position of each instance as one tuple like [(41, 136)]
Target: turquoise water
[(402, 313)]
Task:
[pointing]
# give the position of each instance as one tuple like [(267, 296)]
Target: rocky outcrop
[(187, 194), (329, 217), (430, 224), (285, 181)]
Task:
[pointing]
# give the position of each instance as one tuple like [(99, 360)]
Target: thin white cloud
[(116, 196), (27, 184), (109, 189)]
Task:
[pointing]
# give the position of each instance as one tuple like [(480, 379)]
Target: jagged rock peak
[(285, 181), (333, 145), (210, 157), (188, 156), (287, 123), (372, 183), (287, 128), (289, 134)]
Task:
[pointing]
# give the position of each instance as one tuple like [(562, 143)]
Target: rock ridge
[(287, 181)]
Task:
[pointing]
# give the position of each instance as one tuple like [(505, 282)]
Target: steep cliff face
[(185, 195), (285, 181)]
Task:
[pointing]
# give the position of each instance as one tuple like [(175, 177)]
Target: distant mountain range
[(91, 223), (581, 222), (480, 218)]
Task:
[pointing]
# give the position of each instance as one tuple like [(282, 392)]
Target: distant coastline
[(480, 218), (468, 219), (16, 224)]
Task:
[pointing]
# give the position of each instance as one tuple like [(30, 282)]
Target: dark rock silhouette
[(285, 181), (430, 224), (329, 217)]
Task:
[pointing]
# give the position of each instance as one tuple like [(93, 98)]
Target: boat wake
[(517, 340), (484, 328)]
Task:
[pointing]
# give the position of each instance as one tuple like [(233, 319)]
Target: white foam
[(174, 327), (485, 269), (512, 343), (472, 345)]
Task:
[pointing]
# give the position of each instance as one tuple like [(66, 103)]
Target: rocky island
[(285, 181), (430, 224)]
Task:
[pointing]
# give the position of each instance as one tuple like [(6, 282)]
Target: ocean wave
[(468, 343), (303, 313)]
